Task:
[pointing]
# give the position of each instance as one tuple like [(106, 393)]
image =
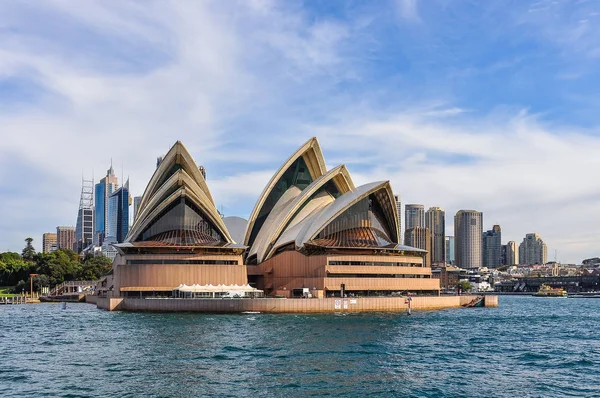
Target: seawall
[(275, 305)]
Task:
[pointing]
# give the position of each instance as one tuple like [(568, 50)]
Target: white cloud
[(242, 90)]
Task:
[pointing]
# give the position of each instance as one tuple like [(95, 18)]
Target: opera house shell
[(178, 237), (312, 232)]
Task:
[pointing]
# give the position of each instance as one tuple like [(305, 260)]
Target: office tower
[(435, 221), (492, 247), (65, 237), (420, 238), (449, 249), (159, 160), (136, 203), (118, 214), (48, 240), (512, 253), (414, 216), (399, 209), (202, 171), (104, 189), (533, 250), (468, 233), (84, 229)]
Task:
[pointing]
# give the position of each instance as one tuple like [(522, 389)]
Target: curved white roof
[(177, 155), (177, 176), (281, 219), (313, 157), (327, 214)]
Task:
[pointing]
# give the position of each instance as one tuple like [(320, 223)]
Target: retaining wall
[(361, 304)]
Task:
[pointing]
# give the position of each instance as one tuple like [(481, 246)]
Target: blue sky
[(490, 105)]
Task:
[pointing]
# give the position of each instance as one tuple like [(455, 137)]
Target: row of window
[(206, 262), (377, 276), (378, 263)]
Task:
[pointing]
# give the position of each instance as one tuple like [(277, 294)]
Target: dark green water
[(527, 347)]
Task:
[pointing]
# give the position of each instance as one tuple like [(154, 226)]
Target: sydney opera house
[(312, 233)]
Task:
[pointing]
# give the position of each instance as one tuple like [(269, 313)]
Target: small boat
[(549, 291), (476, 302)]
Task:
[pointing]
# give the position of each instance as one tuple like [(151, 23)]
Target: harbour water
[(529, 346)]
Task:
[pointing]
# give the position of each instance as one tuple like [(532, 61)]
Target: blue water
[(527, 347)]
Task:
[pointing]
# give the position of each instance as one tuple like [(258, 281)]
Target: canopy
[(195, 288)]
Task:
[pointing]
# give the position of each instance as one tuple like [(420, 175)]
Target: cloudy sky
[(486, 105)]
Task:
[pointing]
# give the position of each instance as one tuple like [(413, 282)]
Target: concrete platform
[(276, 305)]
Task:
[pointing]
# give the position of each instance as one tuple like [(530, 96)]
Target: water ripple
[(529, 347)]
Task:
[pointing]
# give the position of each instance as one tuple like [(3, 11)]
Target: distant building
[(65, 237), (435, 221), (533, 250), (48, 241), (511, 253), (414, 216), (468, 232), (450, 249), (159, 160), (421, 239), (399, 209), (118, 211), (136, 204), (202, 171), (84, 228), (104, 189), (492, 247)]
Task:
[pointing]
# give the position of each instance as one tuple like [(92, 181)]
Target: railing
[(59, 289)]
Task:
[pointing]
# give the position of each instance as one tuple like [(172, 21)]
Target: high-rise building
[(136, 204), (48, 241), (492, 247), (468, 233), (512, 253), (420, 238), (399, 209), (414, 216), (118, 214), (202, 171), (84, 229), (104, 189), (65, 237), (533, 250), (450, 249), (435, 221)]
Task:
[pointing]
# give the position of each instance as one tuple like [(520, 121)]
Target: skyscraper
[(414, 216), (435, 221), (202, 171), (118, 214), (468, 233), (492, 247), (533, 250), (450, 249), (48, 240), (399, 208), (136, 203), (420, 238), (104, 189), (65, 237), (512, 253), (84, 229)]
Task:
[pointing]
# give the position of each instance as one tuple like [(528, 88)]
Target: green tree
[(464, 286), (14, 269), (28, 253), (94, 267)]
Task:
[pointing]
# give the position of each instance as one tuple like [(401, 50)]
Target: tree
[(464, 286), (94, 267), (28, 253)]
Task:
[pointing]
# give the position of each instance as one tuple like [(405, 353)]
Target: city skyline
[(499, 116)]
